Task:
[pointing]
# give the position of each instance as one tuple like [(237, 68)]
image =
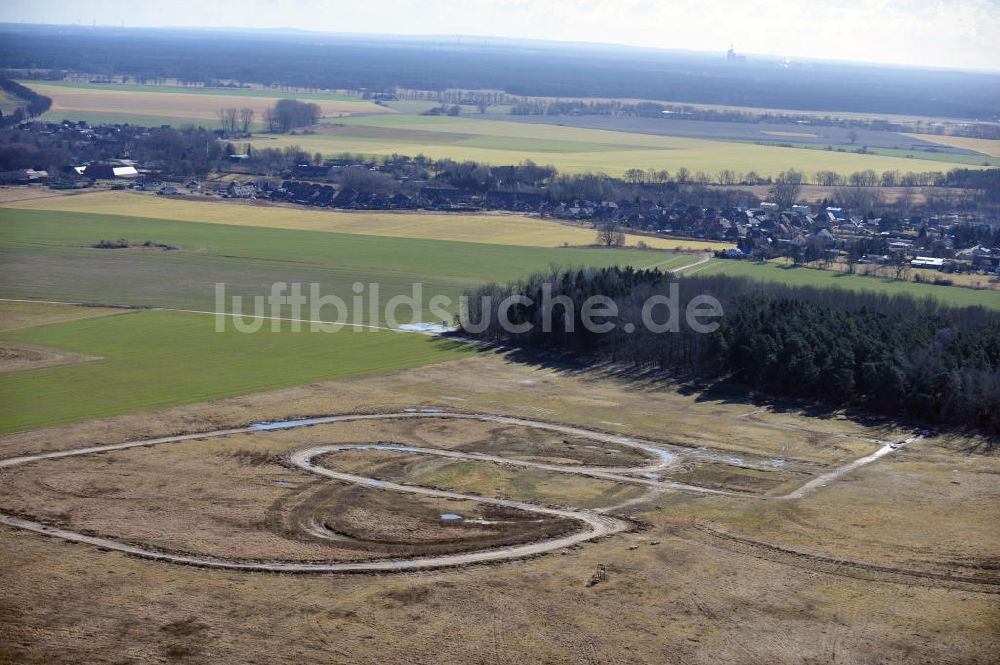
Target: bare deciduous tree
[(246, 118), (271, 119), (227, 118), (634, 176), (786, 188), (610, 235)]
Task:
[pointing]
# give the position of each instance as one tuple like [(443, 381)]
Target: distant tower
[(731, 53)]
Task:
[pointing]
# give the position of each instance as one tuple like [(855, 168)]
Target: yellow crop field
[(496, 229), (989, 147), (574, 149), (180, 106)]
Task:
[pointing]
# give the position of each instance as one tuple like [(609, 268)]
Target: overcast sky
[(944, 33)]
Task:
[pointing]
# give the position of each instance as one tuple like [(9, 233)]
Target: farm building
[(927, 262), (238, 191), (108, 171)]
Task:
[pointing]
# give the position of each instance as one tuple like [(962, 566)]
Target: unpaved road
[(700, 262), (594, 523)]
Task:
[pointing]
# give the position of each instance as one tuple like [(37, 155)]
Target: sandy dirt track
[(594, 523)]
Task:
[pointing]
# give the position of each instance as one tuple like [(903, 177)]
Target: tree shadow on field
[(653, 381)]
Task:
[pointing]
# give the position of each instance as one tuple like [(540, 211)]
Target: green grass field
[(8, 102), (154, 360), (47, 255), (797, 276), (150, 360)]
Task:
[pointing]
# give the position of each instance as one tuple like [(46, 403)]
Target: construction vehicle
[(600, 575)]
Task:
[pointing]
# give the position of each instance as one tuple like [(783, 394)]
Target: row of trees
[(284, 116), (866, 178), (898, 355), (34, 103), (289, 114), (612, 107), (236, 121)]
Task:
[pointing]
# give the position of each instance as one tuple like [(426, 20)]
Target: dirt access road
[(594, 523)]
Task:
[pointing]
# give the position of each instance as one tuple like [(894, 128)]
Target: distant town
[(854, 229)]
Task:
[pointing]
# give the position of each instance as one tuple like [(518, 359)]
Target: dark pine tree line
[(892, 355)]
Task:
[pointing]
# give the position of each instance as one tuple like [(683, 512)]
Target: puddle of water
[(450, 516), (736, 461), (593, 447), (431, 410), (409, 410), (285, 424), (375, 483), (664, 455), (651, 476), (427, 327), (282, 483), (777, 462), (613, 450)]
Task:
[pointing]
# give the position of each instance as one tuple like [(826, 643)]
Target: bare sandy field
[(15, 315), (15, 357)]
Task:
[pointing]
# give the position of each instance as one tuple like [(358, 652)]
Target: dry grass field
[(932, 489), (231, 496), (989, 147), (571, 149), (173, 104), (814, 194), (488, 383), (967, 280), (516, 230), (17, 315), (858, 572), (17, 357)]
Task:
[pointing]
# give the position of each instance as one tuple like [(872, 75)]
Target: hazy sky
[(946, 33)]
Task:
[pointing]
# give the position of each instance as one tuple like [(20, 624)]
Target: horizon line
[(765, 57)]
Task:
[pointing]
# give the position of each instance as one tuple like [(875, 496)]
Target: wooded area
[(896, 356), (525, 69)]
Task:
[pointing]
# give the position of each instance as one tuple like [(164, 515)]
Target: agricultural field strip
[(496, 133), (694, 154), (179, 105), (598, 524), (194, 90), (504, 229), (737, 131)]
